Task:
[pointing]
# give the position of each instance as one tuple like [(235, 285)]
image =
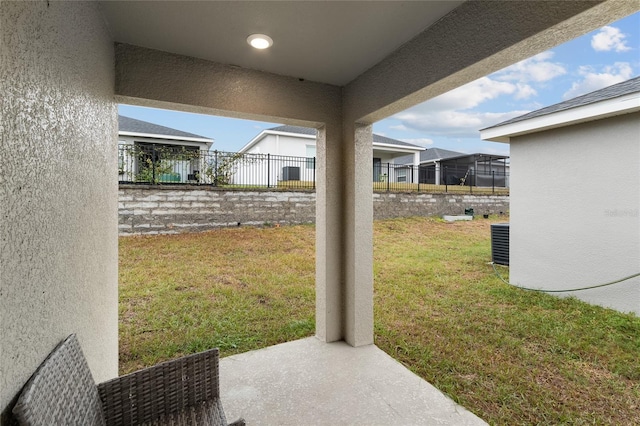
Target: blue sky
[(452, 121)]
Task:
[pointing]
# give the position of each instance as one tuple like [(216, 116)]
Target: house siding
[(575, 205)]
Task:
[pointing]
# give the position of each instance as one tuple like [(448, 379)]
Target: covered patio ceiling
[(327, 42), (387, 55)]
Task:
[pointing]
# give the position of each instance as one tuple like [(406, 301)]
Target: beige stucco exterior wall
[(575, 210), (58, 188)]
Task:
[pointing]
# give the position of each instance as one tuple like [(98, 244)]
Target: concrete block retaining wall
[(171, 210), (393, 204)]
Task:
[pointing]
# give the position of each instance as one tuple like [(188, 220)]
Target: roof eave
[(397, 148), (167, 137), (607, 108)]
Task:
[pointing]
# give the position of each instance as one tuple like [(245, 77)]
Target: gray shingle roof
[(438, 154), (311, 131), (389, 141), (127, 124), (617, 90), (295, 129), (429, 155)]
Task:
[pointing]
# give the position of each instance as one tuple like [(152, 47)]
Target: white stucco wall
[(58, 188), (287, 145), (284, 151), (575, 219), (265, 145)]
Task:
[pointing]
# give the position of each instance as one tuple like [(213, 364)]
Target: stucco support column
[(416, 168), (329, 234), (344, 235), (437, 173), (358, 235)]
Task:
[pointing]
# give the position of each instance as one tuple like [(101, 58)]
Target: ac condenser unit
[(500, 243), (291, 173)]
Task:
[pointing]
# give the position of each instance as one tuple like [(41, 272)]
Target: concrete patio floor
[(309, 382)]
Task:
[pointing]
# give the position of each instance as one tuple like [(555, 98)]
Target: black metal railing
[(398, 178), (164, 164), (157, 164)]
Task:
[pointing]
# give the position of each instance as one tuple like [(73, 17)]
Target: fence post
[(446, 183), (215, 168), (388, 176), (268, 170), (314, 172), (473, 182), (153, 164), (493, 181)]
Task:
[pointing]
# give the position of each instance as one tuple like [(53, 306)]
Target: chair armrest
[(61, 391), (162, 391)]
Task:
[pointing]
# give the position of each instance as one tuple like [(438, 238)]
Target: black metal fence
[(398, 178), (164, 164)]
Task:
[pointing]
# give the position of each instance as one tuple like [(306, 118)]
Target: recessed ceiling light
[(260, 41)]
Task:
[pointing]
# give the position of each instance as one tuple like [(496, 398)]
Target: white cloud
[(419, 141), (537, 69), (452, 114), (465, 97), (524, 91), (608, 39), (454, 123), (532, 106), (592, 80)]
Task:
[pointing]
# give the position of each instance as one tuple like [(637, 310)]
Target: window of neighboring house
[(311, 156), (401, 175)]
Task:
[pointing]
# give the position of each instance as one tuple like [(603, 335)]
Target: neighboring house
[(142, 146), (575, 196), (294, 141), (440, 166)]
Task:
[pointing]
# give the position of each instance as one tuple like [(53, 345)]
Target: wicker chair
[(184, 391)]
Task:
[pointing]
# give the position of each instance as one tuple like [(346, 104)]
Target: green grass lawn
[(510, 356)]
